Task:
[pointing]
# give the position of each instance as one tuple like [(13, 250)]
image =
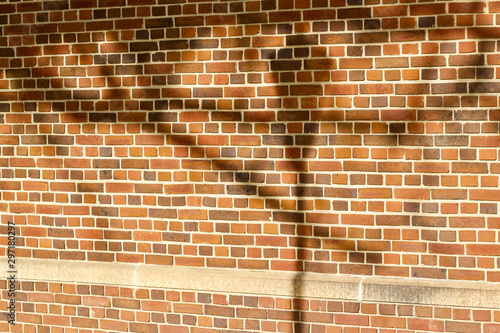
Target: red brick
[(446, 248), (114, 325), (308, 90), (56, 320), (341, 89), (428, 61), (320, 64), (351, 319), (84, 322), (190, 214), (371, 193), (483, 249), (371, 37), (426, 324), (220, 20), (427, 9), (390, 322), (446, 34), (356, 219), (253, 66), (355, 63), (413, 193), (488, 195), (389, 11), (431, 167), (239, 92), (484, 141)]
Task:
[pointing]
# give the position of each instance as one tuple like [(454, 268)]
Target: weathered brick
[(484, 87), (449, 88), (371, 37), (159, 23), (207, 92), (252, 18)]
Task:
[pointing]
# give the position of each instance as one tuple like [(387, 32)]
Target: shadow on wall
[(281, 131)]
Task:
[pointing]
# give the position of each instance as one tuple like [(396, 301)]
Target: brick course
[(62, 306)]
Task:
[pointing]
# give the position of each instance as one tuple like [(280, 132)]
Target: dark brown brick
[(223, 215), (412, 89), (90, 187), (466, 60), (428, 221), (415, 140), (340, 192), (56, 5), (189, 21), (235, 42), (129, 70), (58, 94), (451, 140), (345, 140), (173, 44), (162, 116), (258, 165), (252, 18), (288, 217), (176, 237), (6, 52), (105, 211), (242, 189), (277, 140), (392, 220), (45, 118), (86, 94), (469, 167), (484, 87), (355, 13), (204, 43), (302, 40), (341, 38), (371, 37), (159, 23), (142, 47), (61, 139), (207, 92), (33, 139), (286, 65), (307, 192), (449, 88), (162, 213)]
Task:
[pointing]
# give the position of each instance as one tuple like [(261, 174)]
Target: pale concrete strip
[(356, 288)]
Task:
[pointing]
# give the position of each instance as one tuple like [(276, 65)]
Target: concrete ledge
[(307, 285)]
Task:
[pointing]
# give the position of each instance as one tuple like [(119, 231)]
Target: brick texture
[(124, 309), (340, 137)]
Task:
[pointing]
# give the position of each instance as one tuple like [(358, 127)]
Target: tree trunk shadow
[(300, 116)]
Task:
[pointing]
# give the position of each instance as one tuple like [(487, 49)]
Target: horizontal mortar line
[(286, 284)]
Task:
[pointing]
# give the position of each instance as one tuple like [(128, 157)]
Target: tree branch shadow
[(166, 111)]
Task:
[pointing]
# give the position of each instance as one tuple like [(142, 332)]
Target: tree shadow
[(296, 100)]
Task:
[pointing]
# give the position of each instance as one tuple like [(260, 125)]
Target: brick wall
[(341, 137)]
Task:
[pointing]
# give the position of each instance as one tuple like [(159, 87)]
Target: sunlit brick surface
[(327, 136), (120, 309)]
